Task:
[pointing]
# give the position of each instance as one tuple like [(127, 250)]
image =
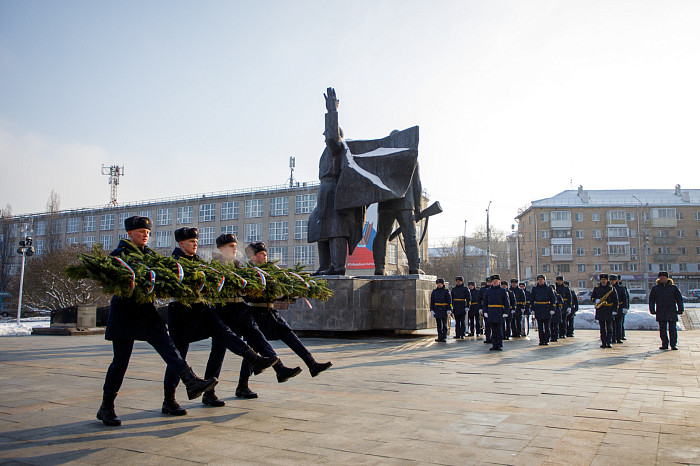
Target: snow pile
[(9, 327), (637, 318)]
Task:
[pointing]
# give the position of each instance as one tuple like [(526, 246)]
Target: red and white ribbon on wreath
[(262, 274), (180, 272), (204, 279), (241, 278), (221, 282), (133, 274), (302, 280), (151, 275)]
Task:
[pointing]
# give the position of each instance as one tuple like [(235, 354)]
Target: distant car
[(638, 296), (694, 294), (584, 297)]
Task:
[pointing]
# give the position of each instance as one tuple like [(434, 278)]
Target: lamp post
[(639, 244), (464, 251), (26, 249), (488, 241), (516, 234)]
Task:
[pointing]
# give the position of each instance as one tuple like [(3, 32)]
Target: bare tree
[(6, 246), (54, 223)]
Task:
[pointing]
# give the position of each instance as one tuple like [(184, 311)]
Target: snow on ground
[(9, 327), (637, 318)]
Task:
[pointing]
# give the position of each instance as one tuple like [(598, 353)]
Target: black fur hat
[(184, 233), (254, 248), (135, 222), (223, 240)]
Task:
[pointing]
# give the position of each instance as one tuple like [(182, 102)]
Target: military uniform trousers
[(274, 327), (543, 330), (672, 333), (195, 323), (237, 316), (570, 325), (617, 326), (474, 321), (460, 318)]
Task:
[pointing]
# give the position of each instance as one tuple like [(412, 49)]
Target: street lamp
[(639, 244), (464, 251), (26, 249), (488, 241), (516, 234)]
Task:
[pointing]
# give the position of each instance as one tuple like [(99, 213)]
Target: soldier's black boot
[(170, 404), (242, 390), (316, 368), (285, 373), (196, 386), (210, 399), (106, 412), (259, 363)]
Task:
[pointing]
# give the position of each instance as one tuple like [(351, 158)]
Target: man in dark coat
[(485, 285), (196, 322), (542, 303), (519, 307), (474, 321), (129, 321), (666, 302), (461, 298), (508, 322), (556, 317), (605, 300), (440, 303), (622, 306), (570, 316), (629, 303), (496, 311), (563, 290)]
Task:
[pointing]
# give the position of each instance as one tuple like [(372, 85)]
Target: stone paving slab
[(384, 401)]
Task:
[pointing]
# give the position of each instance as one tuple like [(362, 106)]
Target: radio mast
[(114, 172)]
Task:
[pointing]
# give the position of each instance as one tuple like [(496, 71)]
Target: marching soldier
[(629, 303), (440, 302), (508, 321), (519, 307), (129, 321), (565, 293), (196, 322), (273, 326), (605, 300), (542, 303), (482, 292), (622, 306), (496, 311), (556, 317), (570, 316), (527, 311), (461, 297), (474, 321), (666, 302)]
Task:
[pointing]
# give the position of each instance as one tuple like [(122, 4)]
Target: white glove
[(568, 310), (614, 313), (597, 301), (481, 313), (551, 313), (505, 316), (624, 311), (432, 313), (486, 315)]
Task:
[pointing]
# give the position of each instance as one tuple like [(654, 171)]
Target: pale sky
[(516, 100)]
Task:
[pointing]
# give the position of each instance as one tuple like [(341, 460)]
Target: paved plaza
[(384, 401)]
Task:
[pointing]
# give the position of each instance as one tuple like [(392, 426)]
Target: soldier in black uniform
[(474, 321), (624, 311), (496, 311), (556, 317), (565, 293), (570, 316), (519, 307), (461, 297), (527, 310), (198, 321), (622, 306), (605, 299), (508, 322), (129, 321), (273, 326), (666, 302), (440, 303), (542, 303), (487, 328)]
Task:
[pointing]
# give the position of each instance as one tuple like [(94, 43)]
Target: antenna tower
[(292, 163), (114, 172)]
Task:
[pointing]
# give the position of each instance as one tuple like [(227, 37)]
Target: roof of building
[(621, 197)]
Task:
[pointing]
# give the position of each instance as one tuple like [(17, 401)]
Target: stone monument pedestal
[(394, 302)]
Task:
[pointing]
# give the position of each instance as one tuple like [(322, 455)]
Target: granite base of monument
[(398, 303)]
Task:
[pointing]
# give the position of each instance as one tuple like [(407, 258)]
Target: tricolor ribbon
[(262, 276), (302, 280), (221, 282), (180, 272), (152, 276), (204, 279), (133, 274), (241, 278)]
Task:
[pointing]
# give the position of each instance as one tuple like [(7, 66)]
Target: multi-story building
[(277, 215), (632, 233)]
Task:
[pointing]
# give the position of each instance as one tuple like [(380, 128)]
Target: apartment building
[(632, 233)]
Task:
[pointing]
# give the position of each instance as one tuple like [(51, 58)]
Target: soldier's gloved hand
[(505, 316), (624, 311), (614, 313), (486, 315), (597, 300), (568, 310), (551, 313), (432, 313), (481, 313)]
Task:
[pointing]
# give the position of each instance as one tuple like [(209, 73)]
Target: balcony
[(671, 240), (665, 257), (562, 257), (667, 222)]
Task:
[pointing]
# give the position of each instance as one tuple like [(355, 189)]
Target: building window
[(124, 215), (598, 267), (683, 267), (279, 231), (582, 284), (73, 225), (578, 217), (596, 234), (229, 210), (682, 250), (304, 255), (392, 253), (544, 217), (164, 216), (122, 236), (616, 267), (107, 241), (580, 252), (561, 233), (563, 268), (630, 216), (230, 230), (72, 241), (595, 216), (633, 233), (40, 247), (545, 252), (617, 249), (665, 250), (279, 206), (617, 232), (579, 234), (561, 249), (633, 251), (207, 212), (40, 229), (561, 215), (617, 215), (278, 254), (88, 241), (163, 239), (581, 267), (697, 233), (301, 229), (545, 268), (697, 215), (185, 214), (633, 267), (664, 234), (304, 203), (145, 213), (680, 215), (254, 208), (544, 234), (681, 233), (663, 213), (253, 232), (206, 235), (107, 222), (697, 250), (597, 251), (57, 225)]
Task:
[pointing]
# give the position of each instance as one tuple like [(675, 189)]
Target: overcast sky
[(516, 101)]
